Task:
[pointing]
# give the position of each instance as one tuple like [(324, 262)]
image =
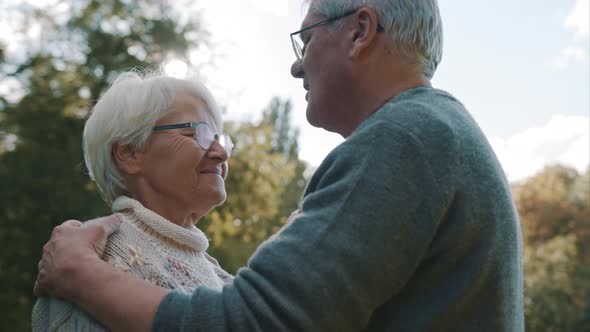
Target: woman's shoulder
[(53, 314), (122, 244)]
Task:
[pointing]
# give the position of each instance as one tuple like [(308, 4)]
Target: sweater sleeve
[(55, 315), (368, 217)]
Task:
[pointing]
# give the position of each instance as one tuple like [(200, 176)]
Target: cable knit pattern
[(142, 217), (150, 247)]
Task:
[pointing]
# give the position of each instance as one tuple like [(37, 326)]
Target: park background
[(521, 68)]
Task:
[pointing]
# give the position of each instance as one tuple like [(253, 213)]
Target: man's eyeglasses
[(297, 42), (204, 135)]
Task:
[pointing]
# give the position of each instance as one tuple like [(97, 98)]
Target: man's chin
[(312, 117), (315, 120)]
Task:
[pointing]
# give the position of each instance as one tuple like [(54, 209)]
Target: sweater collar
[(192, 238)]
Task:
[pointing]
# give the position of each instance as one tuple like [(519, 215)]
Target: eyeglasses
[(297, 41), (204, 135)]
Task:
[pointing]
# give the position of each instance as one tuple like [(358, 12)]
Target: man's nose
[(297, 69)]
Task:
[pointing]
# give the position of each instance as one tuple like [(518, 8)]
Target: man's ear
[(364, 33), (127, 158)]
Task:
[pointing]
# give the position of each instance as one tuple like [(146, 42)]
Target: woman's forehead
[(188, 108)]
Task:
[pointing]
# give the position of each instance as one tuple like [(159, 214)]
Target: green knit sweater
[(409, 225)]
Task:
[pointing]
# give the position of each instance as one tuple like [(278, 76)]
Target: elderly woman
[(154, 148)]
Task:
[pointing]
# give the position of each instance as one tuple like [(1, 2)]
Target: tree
[(555, 215), (549, 206), (264, 185), (554, 288), (284, 140), (43, 177)]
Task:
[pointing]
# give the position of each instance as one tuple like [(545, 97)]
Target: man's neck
[(380, 96)]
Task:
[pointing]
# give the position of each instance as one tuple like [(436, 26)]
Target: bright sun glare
[(176, 68)]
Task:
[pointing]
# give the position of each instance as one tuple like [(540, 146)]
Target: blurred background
[(521, 68)]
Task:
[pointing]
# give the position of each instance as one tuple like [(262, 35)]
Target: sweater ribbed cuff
[(171, 312)]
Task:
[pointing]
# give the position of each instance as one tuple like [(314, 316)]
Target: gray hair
[(415, 25), (126, 114)]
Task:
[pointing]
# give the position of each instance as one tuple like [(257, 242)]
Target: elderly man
[(408, 225)]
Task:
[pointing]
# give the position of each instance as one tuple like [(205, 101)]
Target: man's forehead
[(309, 19)]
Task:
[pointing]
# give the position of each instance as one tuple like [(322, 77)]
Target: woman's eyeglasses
[(204, 135)]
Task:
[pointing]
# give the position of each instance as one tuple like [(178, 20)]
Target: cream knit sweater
[(149, 247)]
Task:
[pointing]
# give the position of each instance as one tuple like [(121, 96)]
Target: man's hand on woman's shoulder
[(71, 246)]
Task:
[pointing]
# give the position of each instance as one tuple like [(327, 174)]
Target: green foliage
[(553, 300), (43, 178), (555, 214), (43, 181), (264, 185), (552, 203), (285, 141)]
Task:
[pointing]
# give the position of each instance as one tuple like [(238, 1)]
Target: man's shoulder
[(422, 122), (416, 115), (421, 106), (425, 96), (429, 115)]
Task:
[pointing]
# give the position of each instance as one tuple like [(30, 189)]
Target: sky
[(520, 67)]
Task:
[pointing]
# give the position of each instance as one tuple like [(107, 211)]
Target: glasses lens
[(226, 142), (297, 45), (205, 136)]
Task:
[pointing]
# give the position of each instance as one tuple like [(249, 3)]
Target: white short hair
[(415, 25), (126, 114)]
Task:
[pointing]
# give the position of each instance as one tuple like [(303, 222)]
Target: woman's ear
[(127, 158)]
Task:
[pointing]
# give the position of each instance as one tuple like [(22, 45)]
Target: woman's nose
[(218, 152)]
